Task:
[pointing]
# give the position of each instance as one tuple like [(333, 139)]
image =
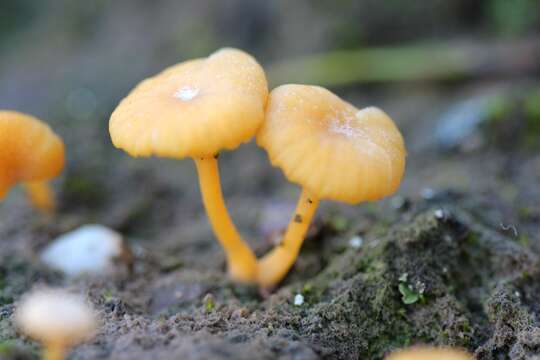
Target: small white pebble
[(439, 214), (356, 242), (90, 249), (298, 299)]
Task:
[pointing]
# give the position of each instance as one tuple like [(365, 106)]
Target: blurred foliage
[(14, 15), (95, 51), (513, 17), (514, 120)]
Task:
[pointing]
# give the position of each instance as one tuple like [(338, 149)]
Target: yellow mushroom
[(56, 318), (331, 149), (430, 353), (31, 153), (196, 109)]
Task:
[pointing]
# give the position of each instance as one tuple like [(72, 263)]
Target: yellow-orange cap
[(430, 353), (29, 150), (192, 109), (330, 147)]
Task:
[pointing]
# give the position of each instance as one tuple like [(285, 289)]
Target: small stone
[(440, 214), (298, 299), (88, 250), (356, 242), (240, 313)]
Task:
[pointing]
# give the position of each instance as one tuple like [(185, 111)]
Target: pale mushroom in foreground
[(430, 353), (56, 318)]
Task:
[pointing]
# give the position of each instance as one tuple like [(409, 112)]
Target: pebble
[(356, 242), (88, 250), (439, 214)]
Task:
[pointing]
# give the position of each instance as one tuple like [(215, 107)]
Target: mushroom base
[(54, 352), (275, 265), (40, 195)]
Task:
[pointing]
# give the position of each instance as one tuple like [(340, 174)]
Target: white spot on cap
[(186, 93), (344, 128), (298, 299)]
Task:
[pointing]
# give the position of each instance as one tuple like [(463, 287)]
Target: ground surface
[(451, 259)]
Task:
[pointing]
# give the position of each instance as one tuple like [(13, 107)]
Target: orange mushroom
[(430, 353), (196, 109), (31, 153), (334, 151)]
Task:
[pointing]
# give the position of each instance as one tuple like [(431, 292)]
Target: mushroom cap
[(56, 316), (331, 148), (29, 150), (193, 109), (430, 353)]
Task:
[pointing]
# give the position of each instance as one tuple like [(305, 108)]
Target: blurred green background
[(75, 59)]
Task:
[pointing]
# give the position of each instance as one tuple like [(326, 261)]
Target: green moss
[(339, 223), (8, 347), (499, 107)]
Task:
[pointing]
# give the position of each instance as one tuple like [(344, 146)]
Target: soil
[(452, 259)]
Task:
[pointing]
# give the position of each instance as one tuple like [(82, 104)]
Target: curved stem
[(54, 352), (40, 195), (275, 265), (242, 263)]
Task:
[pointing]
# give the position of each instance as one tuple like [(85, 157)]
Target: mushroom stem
[(241, 260), (40, 195), (4, 188), (54, 352), (275, 265)]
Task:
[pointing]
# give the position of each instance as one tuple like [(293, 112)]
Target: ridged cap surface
[(195, 108), (330, 147)]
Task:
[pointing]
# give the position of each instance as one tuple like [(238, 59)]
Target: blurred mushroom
[(196, 109), (334, 151), (56, 318), (31, 153), (429, 353)]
